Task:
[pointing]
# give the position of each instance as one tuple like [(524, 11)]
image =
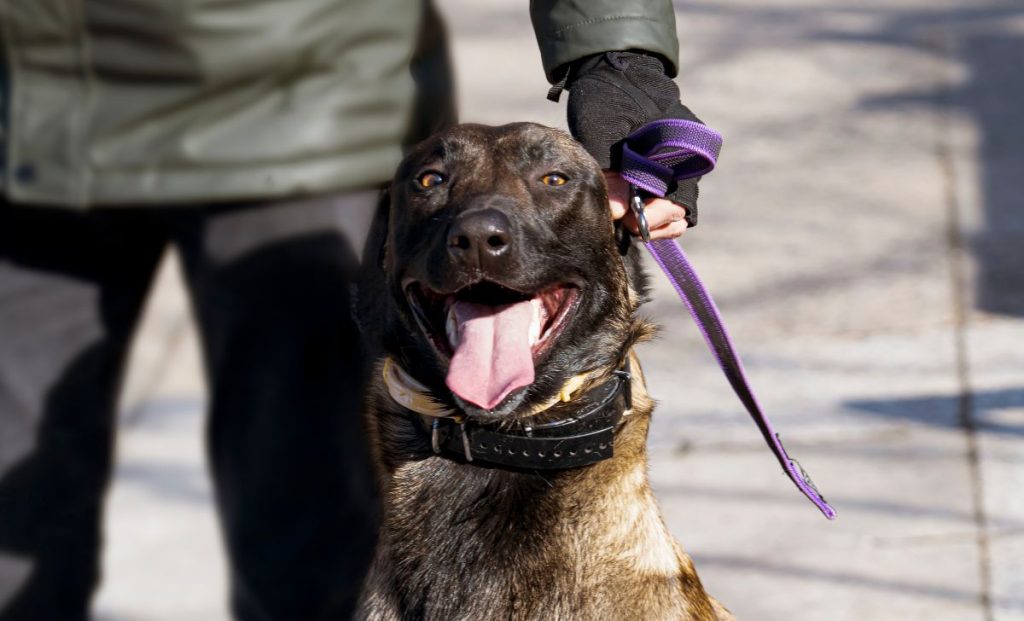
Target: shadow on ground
[(922, 409), (988, 43), (991, 51)]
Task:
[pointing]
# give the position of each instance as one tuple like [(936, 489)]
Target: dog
[(508, 416)]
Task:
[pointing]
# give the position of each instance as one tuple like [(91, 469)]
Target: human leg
[(271, 288)]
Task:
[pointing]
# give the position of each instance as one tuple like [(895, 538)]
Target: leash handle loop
[(669, 150)]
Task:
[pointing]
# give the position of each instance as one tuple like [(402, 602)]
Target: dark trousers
[(270, 289)]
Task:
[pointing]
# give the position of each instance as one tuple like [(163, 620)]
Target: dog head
[(502, 271)]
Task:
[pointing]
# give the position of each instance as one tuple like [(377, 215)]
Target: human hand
[(610, 96), (665, 219)]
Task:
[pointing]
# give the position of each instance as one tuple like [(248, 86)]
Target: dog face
[(504, 276)]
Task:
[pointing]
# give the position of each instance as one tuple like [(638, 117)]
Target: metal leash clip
[(636, 203)]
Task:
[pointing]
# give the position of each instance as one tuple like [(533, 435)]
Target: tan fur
[(615, 559)]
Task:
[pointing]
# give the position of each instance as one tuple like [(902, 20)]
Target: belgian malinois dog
[(509, 415)]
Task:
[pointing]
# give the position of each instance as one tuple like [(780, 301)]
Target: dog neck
[(574, 428), (466, 541)]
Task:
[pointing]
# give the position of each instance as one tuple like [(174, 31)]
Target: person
[(254, 141)]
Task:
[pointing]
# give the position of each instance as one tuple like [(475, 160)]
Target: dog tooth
[(537, 321)]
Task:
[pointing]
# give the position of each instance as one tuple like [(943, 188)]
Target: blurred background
[(864, 237)]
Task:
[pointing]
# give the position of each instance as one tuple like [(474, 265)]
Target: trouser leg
[(71, 289), (271, 289)]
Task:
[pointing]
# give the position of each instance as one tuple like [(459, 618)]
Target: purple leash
[(652, 157)]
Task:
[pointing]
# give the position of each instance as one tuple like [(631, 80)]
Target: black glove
[(614, 93)]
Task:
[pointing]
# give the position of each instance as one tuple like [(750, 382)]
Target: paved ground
[(864, 236)]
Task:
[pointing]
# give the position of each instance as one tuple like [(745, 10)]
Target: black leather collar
[(584, 438)]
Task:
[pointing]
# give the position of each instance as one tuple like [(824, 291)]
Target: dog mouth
[(492, 336)]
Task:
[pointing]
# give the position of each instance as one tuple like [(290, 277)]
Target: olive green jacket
[(136, 102)]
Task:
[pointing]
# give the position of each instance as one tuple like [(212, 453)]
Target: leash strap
[(654, 156)]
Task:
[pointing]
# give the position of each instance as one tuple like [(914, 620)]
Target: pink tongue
[(493, 356)]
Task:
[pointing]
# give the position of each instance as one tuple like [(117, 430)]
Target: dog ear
[(639, 284), (629, 250), (376, 249), (372, 291), (623, 239)]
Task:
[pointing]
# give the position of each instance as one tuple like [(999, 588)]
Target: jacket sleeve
[(568, 30)]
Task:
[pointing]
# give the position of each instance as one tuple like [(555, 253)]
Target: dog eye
[(430, 179), (554, 179)]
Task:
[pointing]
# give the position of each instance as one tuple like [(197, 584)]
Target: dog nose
[(481, 238)]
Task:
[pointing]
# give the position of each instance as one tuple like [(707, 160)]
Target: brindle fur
[(465, 541)]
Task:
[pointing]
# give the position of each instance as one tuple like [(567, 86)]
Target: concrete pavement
[(864, 237)]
